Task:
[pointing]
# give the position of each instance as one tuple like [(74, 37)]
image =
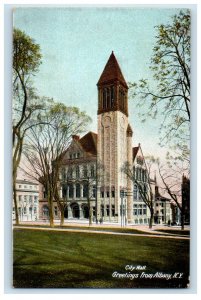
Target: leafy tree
[(46, 146), (26, 61), (169, 91)]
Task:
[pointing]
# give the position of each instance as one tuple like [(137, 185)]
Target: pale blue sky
[(76, 44)]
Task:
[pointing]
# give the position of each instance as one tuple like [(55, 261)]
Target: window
[(64, 191), (45, 211), (35, 210), (25, 186), (94, 191), (70, 173), (74, 155), (77, 172), (113, 194), (78, 155), (135, 192), (71, 191), (20, 198), (135, 212), (35, 199), (104, 98), (102, 210), (25, 210), (113, 210), (108, 210), (77, 190), (108, 194), (94, 211), (144, 211), (85, 173), (85, 190), (55, 211), (102, 194), (92, 171), (30, 210), (20, 186), (70, 156), (30, 199), (112, 96)]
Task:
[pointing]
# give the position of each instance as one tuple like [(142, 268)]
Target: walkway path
[(99, 231)]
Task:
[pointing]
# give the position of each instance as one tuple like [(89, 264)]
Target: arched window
[(77, 190), (70, 173), (70, 191), (108, 98), (112, 96), (85, 190), (92, 171), (85, 173), (77, 172), (135, 192), (104, 98)]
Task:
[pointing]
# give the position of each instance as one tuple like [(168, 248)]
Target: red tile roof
[(89, 142), (112, 72)]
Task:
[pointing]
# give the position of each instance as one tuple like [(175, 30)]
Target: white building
[(27, 193)]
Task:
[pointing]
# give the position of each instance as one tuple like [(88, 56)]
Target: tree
[(46, 146), (171, 177), (145, 187), (169, 91), (26, 61)]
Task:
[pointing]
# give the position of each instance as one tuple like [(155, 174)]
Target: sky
[(76, 44)]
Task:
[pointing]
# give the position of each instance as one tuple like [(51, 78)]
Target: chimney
[(75, 137)]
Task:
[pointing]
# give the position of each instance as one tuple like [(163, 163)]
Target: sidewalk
[(143, 228)]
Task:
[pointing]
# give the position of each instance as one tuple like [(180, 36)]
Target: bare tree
[(171, 177), (46, 145), (145, 187)]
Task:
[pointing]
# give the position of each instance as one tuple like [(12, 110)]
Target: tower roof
[(112, 72)]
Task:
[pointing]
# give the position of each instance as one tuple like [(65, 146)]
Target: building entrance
[(75, 210)]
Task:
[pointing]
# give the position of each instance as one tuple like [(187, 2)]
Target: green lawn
[(74, 260), (175, 231)]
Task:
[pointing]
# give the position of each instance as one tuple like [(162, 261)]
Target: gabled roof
[(89, 142), (112, 72)]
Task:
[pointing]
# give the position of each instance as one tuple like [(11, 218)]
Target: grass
[(45, 259), (94, 228), (175, 231)]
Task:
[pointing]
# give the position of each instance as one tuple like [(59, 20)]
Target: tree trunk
[(62, 215), (50, 203), (151, 218), (182, 220), (15, 204)]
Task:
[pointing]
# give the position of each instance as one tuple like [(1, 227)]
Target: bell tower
[(112, 89), (114, 140)]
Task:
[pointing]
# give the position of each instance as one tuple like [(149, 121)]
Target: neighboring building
[(27, 193), (162, 208), (185, 187), (141, 212)]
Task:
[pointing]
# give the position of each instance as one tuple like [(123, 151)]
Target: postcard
[(101, 147)]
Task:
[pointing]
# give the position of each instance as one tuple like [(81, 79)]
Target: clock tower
[(114, 144)]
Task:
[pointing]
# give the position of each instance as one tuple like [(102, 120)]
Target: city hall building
[(91, 174)]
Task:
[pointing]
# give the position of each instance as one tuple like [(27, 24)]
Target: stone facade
[(27, 194)]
